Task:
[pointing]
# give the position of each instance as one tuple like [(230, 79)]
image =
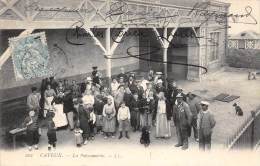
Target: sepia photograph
[(129, 82)]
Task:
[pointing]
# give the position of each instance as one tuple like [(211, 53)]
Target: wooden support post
[(108, 54), (165, 58), (165, 42)]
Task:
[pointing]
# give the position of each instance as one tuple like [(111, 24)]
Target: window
[(241, 44), (250, 44), (214, 46)]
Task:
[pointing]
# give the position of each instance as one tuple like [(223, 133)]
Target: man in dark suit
[(182, 119)]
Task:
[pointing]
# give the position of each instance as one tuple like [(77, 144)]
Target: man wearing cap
[(86, 85), (122, 74), (182, 120), (173, 91), (96, 75), (194, 105), (159, 86), (206, 123), (132, 84), (158, 75)]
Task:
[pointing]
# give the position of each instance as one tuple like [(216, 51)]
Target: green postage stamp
[(30, 56)]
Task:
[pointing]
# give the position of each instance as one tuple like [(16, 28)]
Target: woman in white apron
[(88, 98), (49, 95), (60, 118)]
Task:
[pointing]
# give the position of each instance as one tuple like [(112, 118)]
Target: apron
[(48, 105), (60, 118)]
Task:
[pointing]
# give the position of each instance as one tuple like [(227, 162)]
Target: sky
[(238, 7)]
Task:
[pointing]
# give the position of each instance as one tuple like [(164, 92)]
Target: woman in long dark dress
[(84, 117), (44, 84), (135, 114), (98, 109), (143, 109), (69, 109), (109, 113)]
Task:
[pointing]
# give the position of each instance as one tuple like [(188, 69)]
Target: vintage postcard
[(129, 82)]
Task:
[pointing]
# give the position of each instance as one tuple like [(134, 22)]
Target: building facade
[(245, 40), (184, 39)]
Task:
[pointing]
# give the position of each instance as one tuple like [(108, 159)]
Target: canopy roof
[(246, 35)]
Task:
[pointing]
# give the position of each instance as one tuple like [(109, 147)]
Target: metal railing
[(247, 136)]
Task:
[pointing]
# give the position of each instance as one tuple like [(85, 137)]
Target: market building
[(184, 39)]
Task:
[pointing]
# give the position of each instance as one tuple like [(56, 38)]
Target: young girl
[(92, 122), (49, 94), (78, 135), (51, 133), (32, 127)]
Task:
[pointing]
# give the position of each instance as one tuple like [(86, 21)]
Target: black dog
[(145, 137), (238, 109)]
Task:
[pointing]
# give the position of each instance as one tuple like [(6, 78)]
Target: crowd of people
[(125, 104)]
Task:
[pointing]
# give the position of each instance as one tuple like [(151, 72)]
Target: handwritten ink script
[(121, 14), (143, 16), (201, 9)]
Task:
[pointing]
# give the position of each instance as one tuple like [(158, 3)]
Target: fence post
[(253, 130)]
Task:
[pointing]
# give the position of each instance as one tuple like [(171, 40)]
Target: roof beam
[(97, 42), (170, 37), (158, 36), (196, 34), (10, 5), (118, 40), (97, 11)]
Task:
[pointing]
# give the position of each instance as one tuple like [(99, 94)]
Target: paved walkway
[(232, 81)]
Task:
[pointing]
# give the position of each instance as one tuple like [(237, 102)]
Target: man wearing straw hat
[(182, 120), (206, 123)]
